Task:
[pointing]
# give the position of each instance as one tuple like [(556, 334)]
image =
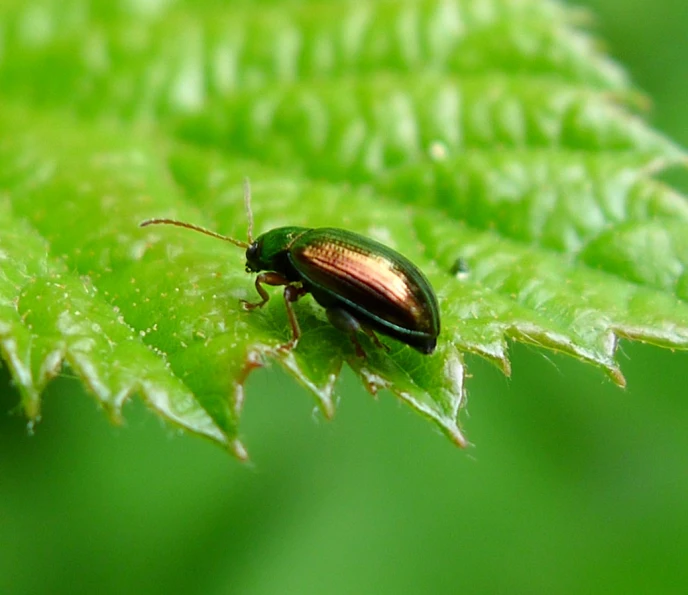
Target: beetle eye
[(253, 258), (252, 252)]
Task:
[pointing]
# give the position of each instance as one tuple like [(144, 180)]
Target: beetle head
[(254, 252)]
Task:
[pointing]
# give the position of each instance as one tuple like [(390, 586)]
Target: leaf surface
[(488, 141)]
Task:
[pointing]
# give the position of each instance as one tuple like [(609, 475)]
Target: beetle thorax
[(269, 252)]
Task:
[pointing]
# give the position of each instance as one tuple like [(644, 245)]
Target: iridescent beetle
[(362, 284)]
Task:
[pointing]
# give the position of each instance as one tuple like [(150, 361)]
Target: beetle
[(363, 285)]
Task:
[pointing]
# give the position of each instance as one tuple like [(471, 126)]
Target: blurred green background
[(573, 486)]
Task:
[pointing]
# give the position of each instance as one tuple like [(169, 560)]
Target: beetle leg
[(344, 321), (375, 339), (291, 294), (269, 279)]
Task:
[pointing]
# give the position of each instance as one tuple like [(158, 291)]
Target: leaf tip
[(457, 437), (32, 408), (327, 407), (617, 376), (114, 413), (237, 448), (504, 364)]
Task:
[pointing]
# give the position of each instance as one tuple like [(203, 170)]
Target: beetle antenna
[(207, 232), (249, 211)]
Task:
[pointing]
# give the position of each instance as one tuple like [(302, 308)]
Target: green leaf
[(491, 133)]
